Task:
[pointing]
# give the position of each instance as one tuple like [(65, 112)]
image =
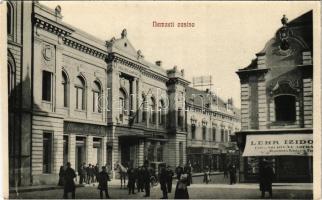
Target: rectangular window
[(193, 131), (180, 118), (46, 86), (204, 132), (222, 135), (47, 152), (214, 134), (121, 108)]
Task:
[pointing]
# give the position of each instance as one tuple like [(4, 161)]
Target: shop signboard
[(279, 145)]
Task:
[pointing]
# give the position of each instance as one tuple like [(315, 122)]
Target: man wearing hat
[(103, 178)]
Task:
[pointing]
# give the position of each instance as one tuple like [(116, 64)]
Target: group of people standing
[(88, 175)]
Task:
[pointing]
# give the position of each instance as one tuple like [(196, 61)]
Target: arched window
[(9, 18), (144, 108), (285, 108), (96, 97), (65, 84), (214, 133), (161, 113), (11, 78), (122, 104), (152, 110), (222, 132), (80, 93)]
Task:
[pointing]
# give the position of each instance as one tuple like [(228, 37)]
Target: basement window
[(285, 108)]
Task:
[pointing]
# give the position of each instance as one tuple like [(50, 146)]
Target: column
[(58, 151), (104, 150), (140, 153), (71, 149), (89, 149), (115, 152), (134, 97), (307, 102), (262, 105)]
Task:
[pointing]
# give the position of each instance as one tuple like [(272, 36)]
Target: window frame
[(278, 111), (81, 88), (50, 146), (47, 89)]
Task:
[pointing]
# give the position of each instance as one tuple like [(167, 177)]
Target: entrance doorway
[(80, 156), (65, 150), (96, 156)]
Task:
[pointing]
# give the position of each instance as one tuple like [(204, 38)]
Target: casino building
[(277, 104), (74, 98)]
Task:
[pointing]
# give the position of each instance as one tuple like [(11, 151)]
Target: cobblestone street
[(200, 191)]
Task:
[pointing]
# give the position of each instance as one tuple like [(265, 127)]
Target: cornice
[(145, 70), (51, 26), (83, 47)]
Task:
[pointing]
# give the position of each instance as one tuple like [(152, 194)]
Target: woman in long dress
[(181, 188)]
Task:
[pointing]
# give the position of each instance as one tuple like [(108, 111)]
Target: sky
[(225, 38)]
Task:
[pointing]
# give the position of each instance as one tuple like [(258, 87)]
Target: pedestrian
[(206, 175), (92, 172), (188, 169), (140, 182), (96, 172), (163, 181), (266, 176), (169, 178), (69, 184), (103, 179), (179, 171), (146, 178), (232, 174), (61, 176), (181, 191), (131, 179), (88, 174)]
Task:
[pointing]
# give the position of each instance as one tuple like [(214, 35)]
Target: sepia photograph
[(159, 99)]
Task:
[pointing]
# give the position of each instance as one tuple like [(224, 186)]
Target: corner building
[(277, 104), (74, 98)]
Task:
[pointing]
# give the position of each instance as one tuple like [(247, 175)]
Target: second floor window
[(65, 88), (96, 97), (222, 135), (214, 134), (204, 132), (152, 111), (80, 93), (9, 19), (285, 108), (193, 131), (46, 85)]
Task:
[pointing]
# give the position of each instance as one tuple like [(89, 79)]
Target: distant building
[(211, 127), (277, 104)]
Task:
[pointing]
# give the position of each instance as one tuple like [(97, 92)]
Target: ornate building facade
[(211, 127), (277, 104), (74, 98)]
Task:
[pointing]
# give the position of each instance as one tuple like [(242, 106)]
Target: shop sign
[(85, 129), (279, 145)]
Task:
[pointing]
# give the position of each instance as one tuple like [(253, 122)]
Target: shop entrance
[(65, 150), (80, 155), (96, 156)]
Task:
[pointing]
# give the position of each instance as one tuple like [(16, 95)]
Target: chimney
[(158, 63)]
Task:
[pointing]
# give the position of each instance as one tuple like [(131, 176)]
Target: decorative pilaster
[(104, 150), (71, 149), (89, 149)]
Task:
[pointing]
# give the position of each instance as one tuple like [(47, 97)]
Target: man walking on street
[(266, 176), (146, 178), (169, 178), (232, 174), (131, 179), (179, 171), (163, 181), (103, 179), (69, 184)]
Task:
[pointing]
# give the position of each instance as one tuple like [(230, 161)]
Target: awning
[(279, 145)]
